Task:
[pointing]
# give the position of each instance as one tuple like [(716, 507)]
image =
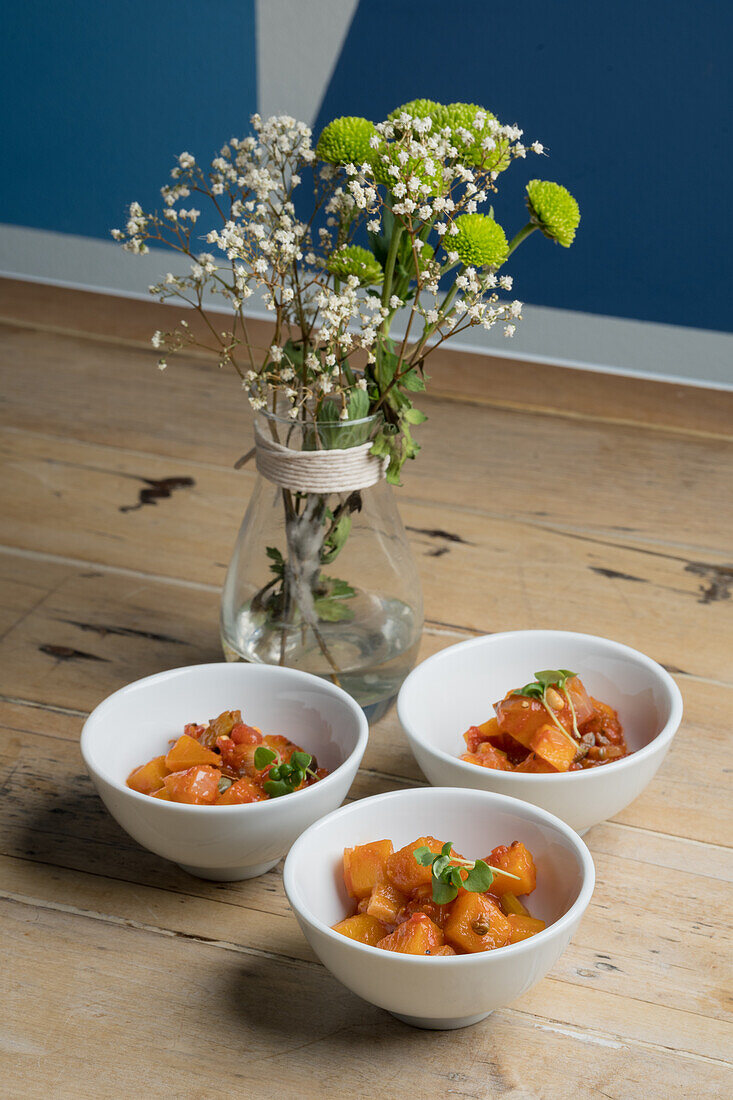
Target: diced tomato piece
[(476, 923), (524, 927), (197, 786), (193, 729), (555, 748), (364, 867), (242, 790), (148, 778), (517, 860), (416, 936), (187, 752), (422, 902), (242, 734), (584, 706), (363, 928)]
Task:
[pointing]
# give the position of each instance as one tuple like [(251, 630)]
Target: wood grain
[(543, 496)]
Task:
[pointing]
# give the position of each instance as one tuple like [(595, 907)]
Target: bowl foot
[(440, 1025), (229, 874)]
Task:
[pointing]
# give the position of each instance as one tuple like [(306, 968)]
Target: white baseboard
[(613, 345)]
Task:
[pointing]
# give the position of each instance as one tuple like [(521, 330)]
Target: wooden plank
[(69, 499), (486, 379), (608, 480), (226, 1009)]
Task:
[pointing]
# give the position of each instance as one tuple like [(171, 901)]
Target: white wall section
[(298, 46)]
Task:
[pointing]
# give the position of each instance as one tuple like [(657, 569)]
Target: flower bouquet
[(394, 251)]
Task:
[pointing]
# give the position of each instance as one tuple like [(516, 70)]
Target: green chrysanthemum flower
[(346, 141), (554, 210), (480, 241), (354, 260), (384, 158), (462, 116), (422, 108)]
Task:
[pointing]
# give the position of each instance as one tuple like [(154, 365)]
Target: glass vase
[(324, 581)]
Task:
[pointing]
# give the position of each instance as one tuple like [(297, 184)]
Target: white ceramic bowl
[(456, 990), (455, 689), (224, 843)]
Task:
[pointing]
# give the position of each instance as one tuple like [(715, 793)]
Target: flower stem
[(523, 233)]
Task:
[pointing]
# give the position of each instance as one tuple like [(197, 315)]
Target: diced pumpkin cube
[(196, 786), (555, 748), (163, 795), (476, 923), (364, 867), (148, 778), (386, 902), (517, 860), (523, 927), (404, 871), (446, 949), (520, 717), (533, 764), (416, 936), (510, 903), (488, 757), (241, 791), (187, 752), (363, 928), (281, 745)]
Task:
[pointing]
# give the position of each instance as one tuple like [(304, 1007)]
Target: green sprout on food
[(552, 679), (447, 879), (284, 776)]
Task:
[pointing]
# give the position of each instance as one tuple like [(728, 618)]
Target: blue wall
[(99, 95), (633, 102)]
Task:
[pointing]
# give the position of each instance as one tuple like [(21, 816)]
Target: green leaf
[(479, 878), (263, 756), (413, 381), (424, 856), (358, 404), (331, 610), (301, 760), (276, 787), (334, 543), (414, 416), (440, 864), (446, 849), (443, 893)]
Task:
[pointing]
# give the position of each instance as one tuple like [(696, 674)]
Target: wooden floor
[(543, 497)]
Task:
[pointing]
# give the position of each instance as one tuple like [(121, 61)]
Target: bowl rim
[(664, 736), (246, 807), (525, 809)]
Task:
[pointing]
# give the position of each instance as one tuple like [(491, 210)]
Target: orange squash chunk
[(386, 902), (488, 757), (476, 923), (403, 870), (524, 927), (187, 752), (198, 786), (281, 745), (446, 949), (416, 936), (520, 717), (242, 790), (518, 861), (364, 867), (148, 778), (553, 747), (163, 795), (533, 764), (363, 928)]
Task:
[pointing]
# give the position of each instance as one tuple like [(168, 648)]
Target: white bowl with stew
[(457, 687), (439, 992), (224, 843)]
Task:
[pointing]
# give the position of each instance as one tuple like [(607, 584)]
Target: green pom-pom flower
[(462, 116), (385, 157), (346, 141), (479, 242), (354, 260), (554, 210), (422, 108)]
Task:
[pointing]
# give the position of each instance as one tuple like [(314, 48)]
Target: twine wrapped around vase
[(326, 471)]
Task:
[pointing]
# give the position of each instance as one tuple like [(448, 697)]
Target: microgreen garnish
[(285, 776), (446, 873), (552, 679)]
